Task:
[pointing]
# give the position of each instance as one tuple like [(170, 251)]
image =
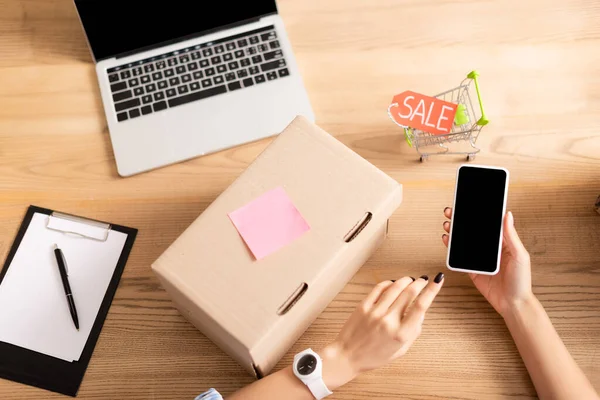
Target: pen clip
[(65, 262)]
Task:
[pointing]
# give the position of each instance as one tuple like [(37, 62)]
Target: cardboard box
[(256, 310)]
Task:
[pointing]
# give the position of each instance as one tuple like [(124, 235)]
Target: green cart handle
[(483, 120)]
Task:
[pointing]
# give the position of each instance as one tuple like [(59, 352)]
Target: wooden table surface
[(540, 75)]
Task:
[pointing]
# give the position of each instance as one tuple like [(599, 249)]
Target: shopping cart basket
[(467, 123)]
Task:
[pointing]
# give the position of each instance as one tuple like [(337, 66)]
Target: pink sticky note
[(269, 222)]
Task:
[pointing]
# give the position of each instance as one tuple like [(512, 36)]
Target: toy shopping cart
[(468, 122)]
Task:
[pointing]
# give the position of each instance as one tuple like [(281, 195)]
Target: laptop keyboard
[(194, 73)]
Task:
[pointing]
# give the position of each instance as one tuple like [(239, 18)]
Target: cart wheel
[(470, 157), (424, 158)]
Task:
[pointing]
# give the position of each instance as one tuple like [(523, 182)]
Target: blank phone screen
[(477, 220)]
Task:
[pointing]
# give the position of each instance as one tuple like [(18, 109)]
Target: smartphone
[(476, 228)]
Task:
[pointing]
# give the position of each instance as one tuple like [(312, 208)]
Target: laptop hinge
[(191, 36)]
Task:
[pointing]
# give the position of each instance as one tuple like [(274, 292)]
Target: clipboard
[(36, 369)]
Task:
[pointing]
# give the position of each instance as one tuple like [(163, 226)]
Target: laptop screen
[(118, 26)]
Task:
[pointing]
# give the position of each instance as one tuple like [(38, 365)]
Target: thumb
[(511, 237)]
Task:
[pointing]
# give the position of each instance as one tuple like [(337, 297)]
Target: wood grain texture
[(540, 75)]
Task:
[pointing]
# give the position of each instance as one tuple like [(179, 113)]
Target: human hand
[(511, 286), (381, 329)]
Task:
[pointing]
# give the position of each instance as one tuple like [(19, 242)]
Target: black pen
[(62, 268)]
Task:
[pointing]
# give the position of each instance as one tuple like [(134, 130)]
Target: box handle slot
[(356, 229), (293, 299)]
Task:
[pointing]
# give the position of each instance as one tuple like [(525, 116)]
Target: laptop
[(180, 79)]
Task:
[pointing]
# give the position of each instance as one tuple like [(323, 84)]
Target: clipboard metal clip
[(78, 226)]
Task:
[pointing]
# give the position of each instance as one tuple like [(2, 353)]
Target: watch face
[(307, 364)]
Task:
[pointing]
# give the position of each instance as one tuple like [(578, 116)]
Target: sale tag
[(425, 113)]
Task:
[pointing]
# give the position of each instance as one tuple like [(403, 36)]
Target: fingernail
[(438, 278), (425, 277), (443, 235), (413, 278), (446, 209), (511, 218), (393, 280)]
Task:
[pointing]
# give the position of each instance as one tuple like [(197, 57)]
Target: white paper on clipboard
[(33, 308)]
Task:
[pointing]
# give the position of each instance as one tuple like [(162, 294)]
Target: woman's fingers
[(446, 225), (407, 297), (391, 294), (416, 312), (448, 212), (372, 297)]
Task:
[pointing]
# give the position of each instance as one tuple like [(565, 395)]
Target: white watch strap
[(318, 388)]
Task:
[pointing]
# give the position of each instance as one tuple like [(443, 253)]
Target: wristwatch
[(308, 367)]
